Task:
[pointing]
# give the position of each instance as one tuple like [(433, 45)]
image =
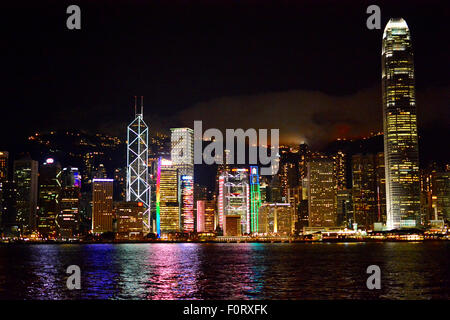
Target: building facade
[(102, 205), (49, 196), (234, 197), (400, 127), (138, 180), (321, 193), (128, 217), (167, 206), (68, 218), (26, 181)]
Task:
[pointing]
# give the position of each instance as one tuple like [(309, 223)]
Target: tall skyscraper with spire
[(138, 183), (400, 127)]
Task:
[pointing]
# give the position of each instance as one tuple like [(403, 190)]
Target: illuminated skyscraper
[(138, 183), (129, 219), (339, 170), (344, 208), (187, 203), (400, 127), (364, 190), (234, 198), (381, 187), (182, 150), (3, 177), (205, 215), (68, 217), (4, 165), (276, 218), (321, 193), (167, 206), (49, 196), (102, 205), (304, 154), (255, 198), (26, 180), (441, 196), (182, 156)]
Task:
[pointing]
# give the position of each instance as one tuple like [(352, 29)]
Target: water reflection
[(226, 271)]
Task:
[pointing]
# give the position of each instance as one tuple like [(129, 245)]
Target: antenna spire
[(142, 105)]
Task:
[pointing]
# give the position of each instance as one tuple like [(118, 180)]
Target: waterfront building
[(68, 218), (380, 172), (128, 216), (321, 193), (344, 208), (441, 196), (49, 196), (138, 180), (182, 150), (26, 185), (400, 127), (205, 216), (276, 219), (186, 202), (364, 190), (255, 198), (232, 225), (294, 198), (168, 218), (102, 205), (234, 197)]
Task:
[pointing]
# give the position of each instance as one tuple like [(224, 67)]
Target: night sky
[(310, 68)]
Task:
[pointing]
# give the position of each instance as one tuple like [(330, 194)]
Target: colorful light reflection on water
[(225, 271)]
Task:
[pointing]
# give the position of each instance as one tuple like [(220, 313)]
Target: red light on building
[(140, 204)]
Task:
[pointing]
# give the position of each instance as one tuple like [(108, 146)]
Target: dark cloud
[(311, 116)]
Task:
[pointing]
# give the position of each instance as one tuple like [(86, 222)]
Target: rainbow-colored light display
[(187, 202), (255, 198), (158, 199)]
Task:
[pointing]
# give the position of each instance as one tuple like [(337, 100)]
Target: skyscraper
[(205, 215), (441, 196), (182, 155), (129, 219), (26, 180), (321, 193), (255, 198), (138, 183), (187, 203), (49, 195), (3, 177), (167, 206), (182, 150), (68, 217), (339, 170), (276, 218), (400, 127), (102, 205), (234, 198), (364, 190)]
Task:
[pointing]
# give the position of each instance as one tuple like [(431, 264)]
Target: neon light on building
[(138, 183), (158, 199), (220, 201), (187, 203), (234, 197), (255, 198)]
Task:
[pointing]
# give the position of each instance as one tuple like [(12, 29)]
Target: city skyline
[(289, 150), (393, 199)]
